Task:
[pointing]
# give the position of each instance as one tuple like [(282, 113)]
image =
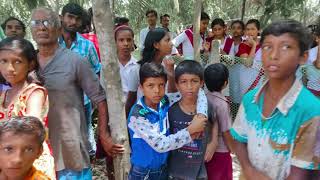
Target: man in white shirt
[(152, 17), (165, 22)]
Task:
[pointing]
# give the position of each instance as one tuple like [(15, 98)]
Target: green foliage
[(280, 9), (265, 10)]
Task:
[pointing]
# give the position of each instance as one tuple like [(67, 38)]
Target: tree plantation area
[(160, 89), (181, 11)]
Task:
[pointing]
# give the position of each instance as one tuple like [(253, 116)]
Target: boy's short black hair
[(152, 11), (151, 70), (73, 8), (215, 75), (204, 16), (188, 67), (256, 22), (218, 21), (3, 25), (24, 125), (294, 28)]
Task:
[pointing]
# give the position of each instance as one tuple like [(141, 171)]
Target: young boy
[(21, 140), (187, 162), (216, 79), (149, 127), (275, 129)]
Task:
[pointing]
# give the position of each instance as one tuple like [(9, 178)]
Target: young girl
[(157, 46), (24, 98), (219, 28), (250, 73), (237, 30)]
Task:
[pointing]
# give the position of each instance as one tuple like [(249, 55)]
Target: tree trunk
[(176, 6), (117, 120), (243, 9), (196, 29)]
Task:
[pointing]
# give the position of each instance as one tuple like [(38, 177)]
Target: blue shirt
[(86, 49), (285, 138), (149, 135)]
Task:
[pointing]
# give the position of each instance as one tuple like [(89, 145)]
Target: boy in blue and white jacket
[(149, 127)]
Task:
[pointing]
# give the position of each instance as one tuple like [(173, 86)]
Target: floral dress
[(18, 107)]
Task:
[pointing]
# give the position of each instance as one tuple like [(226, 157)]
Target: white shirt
[(187, 48), (312, 55), (234, 77), (143, 35), (128, 74), (310, 71)]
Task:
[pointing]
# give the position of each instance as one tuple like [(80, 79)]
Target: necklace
[(185, 110)]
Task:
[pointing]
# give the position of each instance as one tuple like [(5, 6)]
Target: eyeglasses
[(37, 23)]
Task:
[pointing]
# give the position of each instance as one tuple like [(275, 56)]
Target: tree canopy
[(181, 11)]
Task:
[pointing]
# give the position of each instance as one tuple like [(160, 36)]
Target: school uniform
[(186, 40), (311, 73), (249, 77)]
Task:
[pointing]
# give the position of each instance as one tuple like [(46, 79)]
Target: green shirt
[(286, 138)]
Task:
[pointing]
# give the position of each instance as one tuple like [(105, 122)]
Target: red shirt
[(94, 39), (245, 49)]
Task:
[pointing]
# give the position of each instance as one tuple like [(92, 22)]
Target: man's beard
[(71, 30)]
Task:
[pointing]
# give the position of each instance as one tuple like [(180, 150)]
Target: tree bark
[(117, 120), (176, 6), (196, 29), (243, 9)]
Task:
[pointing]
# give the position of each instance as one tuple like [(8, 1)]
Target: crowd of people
[(179, 120)]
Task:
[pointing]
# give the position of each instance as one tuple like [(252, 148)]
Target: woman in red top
[(251, 72), (219, 29), (251, 45)]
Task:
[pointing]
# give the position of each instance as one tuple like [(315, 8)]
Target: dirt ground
[(99, 172)]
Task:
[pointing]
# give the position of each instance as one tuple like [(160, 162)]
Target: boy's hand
[(211, 148), (111, 148), (197, 124)]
